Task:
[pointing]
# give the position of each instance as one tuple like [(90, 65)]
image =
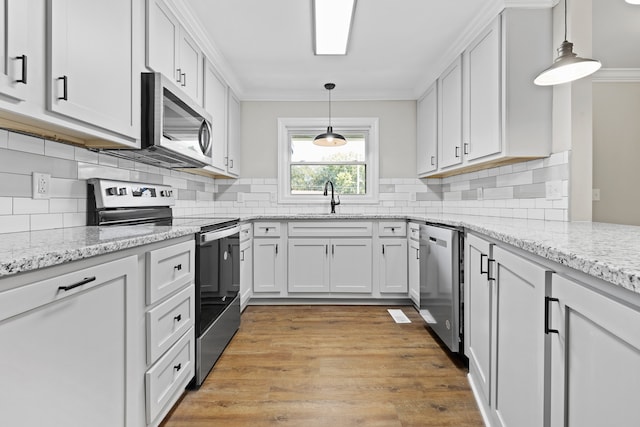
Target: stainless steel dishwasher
[(440, 295)]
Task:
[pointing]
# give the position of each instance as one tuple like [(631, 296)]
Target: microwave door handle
[(204, 137)]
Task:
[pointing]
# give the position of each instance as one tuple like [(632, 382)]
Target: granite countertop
[(609, 252), (25, 251)]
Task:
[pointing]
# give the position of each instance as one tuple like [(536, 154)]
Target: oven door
[(217, 274)]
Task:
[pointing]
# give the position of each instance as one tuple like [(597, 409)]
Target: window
[(305, 168)]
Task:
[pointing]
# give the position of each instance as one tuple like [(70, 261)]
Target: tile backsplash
[(536, 189)]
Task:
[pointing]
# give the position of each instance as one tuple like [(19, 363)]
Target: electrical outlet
[(595, 194), (554, 190), (240, 197), (41, 185), (480, 193)]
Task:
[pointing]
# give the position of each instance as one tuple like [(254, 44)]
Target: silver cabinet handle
[(382, 249), (466, 148), (433, 160), (179, 74), (23, 79), (276, 249), (183, 80), (231, 163), (241, 255)]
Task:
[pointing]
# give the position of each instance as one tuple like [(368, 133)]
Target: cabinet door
[(414, 271), (246, 272), (215, 102), (65, 351), (267, 265), (427, 123), (90, 75), (234, 148), (483, 62), (308, 265), (595, 367), (163, 34), (450, 92), (14, 54), (351, 265), (478, 290), (519, 343), (393, 265), (190, 55)]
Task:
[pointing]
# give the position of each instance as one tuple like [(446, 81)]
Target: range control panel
[(126, 194)]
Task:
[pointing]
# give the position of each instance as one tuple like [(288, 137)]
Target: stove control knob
[(163, 193), (112, 191), (122, 191)]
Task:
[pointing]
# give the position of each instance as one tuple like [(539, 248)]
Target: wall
[(397, 138), (616, 149), (70, 166)]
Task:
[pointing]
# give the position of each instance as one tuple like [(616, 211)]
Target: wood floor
[(334, 366)]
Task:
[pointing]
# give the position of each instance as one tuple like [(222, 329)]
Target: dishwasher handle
[(219, 234)]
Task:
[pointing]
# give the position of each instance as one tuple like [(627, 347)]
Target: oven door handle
[(219, 234)]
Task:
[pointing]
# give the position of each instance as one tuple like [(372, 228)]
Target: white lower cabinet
[(329, 265), (392, 259), (268, 265), (595, 357), (66, 346), (504, 332)]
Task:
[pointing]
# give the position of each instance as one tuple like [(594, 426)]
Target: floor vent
[(398, 316)]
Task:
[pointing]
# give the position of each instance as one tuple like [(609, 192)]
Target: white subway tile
[(6, 205), (46, 221), (68, 188), (23, 206), (74, 219), (535, 213), (14, 223), (26, 143), (64, 205), (107, 160), (84, 155), (58, 149), (90, 170), (520, 178), (4, 138), (554, 214)]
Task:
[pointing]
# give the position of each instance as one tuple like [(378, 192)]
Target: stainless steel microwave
[(175, 131)]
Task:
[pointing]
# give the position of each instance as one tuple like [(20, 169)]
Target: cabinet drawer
[(169, 321), (28, 297), (414, 231), (266, 229), (331, 229), (246, 232), (392, 229), (172, 373), (169, 269)]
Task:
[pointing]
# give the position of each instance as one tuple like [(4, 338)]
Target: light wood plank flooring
[(308, 366)]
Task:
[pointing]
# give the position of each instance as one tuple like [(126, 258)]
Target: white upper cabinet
[(234, 129), (483, 66), (450, 105), (14, 50), (427, 132), (215, 102), (91, 65), (171, 51), (489, 111)]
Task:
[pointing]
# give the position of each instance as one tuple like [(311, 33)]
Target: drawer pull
[(75, 285), (178, 367), (178, 318), (23, 79), (177, 267), (482, 256), (547, 329)]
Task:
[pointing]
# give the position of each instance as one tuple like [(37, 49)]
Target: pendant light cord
[(330, 106), (565, 20)]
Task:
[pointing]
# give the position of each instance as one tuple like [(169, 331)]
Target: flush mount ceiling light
[(332, 25), (568, 66), (633, 1), (329, 139)]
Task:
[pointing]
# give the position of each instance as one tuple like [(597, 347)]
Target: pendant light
[(568, 66), (329, 139)]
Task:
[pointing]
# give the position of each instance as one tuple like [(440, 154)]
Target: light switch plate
[(554, 190), (595, 194)]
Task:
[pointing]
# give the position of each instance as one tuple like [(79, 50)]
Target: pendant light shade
[(568, 66), (329, 139)]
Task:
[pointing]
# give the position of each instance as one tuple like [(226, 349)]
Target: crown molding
[(619, 75)]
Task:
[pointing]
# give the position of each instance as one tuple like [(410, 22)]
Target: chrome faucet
[(333, 201)]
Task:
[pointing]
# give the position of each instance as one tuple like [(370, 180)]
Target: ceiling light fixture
[(332, 21), (568, 66), (633, 1), (329, 139)]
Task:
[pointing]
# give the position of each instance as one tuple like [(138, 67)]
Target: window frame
[(287, 126)]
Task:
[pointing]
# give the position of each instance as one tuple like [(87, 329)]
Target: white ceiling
[(397, 47)]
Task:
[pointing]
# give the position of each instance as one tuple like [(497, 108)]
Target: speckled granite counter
[(21, 252), (606, 251), (609, 252)]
